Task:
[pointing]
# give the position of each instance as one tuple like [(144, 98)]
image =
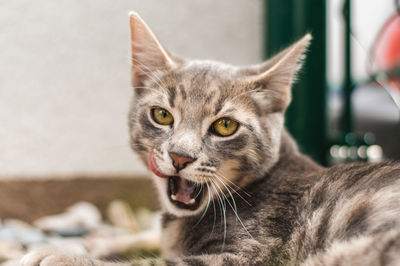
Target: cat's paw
[(51, 258)]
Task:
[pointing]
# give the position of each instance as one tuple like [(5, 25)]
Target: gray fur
[(291, 210), (264, 202)]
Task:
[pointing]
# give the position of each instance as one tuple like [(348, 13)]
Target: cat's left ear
[(270, 82), (149, 57)]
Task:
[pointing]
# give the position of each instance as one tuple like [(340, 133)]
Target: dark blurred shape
[(285, 22)]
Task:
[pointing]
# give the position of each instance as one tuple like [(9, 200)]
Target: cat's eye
[(224, 127), (162, 116)]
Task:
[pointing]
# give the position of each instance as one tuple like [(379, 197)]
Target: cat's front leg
[(247, 252), (223, 259), (53, 258)]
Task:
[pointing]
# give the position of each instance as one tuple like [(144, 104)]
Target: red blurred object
[(394, 83), (386, 50)]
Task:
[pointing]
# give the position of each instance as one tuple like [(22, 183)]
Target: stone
[(77, 220), (20, 232)]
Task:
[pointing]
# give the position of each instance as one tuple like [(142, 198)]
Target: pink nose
[(180, 161)]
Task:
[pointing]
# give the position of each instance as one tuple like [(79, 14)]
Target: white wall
[(64, 74), (64, 71)]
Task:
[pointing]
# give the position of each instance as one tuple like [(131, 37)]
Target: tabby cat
[(233, 185)]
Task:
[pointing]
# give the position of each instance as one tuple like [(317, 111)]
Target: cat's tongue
[(183, 190), (153, 165)]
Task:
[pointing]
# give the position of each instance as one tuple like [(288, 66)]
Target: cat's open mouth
[(184, 193)]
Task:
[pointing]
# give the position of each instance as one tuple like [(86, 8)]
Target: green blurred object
[(285, 22), (347, 119)]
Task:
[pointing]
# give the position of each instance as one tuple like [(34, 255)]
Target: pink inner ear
[(146, 48), (148, 55)]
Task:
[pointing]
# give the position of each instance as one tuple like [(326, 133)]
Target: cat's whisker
[(236, 191), (222, 182), (245, 92), (200, 191), (138, 145), (160, 82), (153, 77), (234, 209), (233, 183), (148, 147), (215, 213), (218, 201), (205, 210), (226, 179), (148, 88), (236, 186), (222, 176), (223, 211), (223, 206)]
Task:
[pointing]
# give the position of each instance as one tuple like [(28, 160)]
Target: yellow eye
[(162, 116), (224, 127)]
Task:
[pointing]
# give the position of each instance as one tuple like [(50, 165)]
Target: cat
[(233, 185)]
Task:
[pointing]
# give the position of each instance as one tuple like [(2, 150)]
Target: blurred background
[(65, 94), (65, 75)]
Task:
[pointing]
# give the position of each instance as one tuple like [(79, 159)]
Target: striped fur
[(264, 202)]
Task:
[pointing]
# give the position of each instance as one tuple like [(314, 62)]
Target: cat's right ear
[(270, 82), (149, 57)]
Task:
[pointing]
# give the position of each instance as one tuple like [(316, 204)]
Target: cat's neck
[(291, 159)]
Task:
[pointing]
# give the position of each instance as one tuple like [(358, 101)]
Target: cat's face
[(192, 125), (205, 128)]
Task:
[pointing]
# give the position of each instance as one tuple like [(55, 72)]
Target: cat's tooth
[(173, 196), (192, 201)]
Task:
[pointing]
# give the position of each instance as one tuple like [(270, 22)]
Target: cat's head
[(206, 128)]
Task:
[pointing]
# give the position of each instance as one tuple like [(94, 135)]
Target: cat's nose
[(180, 161)]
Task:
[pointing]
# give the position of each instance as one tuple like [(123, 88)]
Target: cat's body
[(234, 187), (294, 216), (267, 209), (349, 216)]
